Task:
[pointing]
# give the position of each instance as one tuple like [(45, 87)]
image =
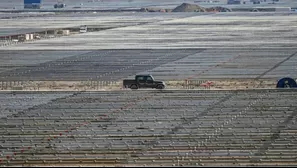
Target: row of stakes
[(243, 148), (4, 43), (24, 85)]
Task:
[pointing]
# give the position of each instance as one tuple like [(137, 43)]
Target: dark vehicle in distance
[(143, 81), (59, 5)]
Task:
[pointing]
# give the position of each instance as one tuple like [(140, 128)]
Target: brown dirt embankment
[(225, 84)]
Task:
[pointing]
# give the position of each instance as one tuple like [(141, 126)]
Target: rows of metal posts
[(93, 85)]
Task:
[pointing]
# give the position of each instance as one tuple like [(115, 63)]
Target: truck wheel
[(160, 87), (133, 87)]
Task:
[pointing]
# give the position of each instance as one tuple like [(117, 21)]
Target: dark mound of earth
[(186, 7), (218, 9)]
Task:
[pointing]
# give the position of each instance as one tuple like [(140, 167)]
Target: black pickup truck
[(143, 81)]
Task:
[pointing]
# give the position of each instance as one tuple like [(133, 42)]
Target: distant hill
[(186, 7)]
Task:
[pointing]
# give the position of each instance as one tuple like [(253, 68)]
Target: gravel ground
[(174, 127), (172, 47), (169, 128), (163, 30)]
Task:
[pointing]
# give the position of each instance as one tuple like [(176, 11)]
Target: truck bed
[(127, 83)]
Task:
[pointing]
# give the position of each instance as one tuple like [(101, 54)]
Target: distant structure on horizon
[(32, 4), (250, 1)]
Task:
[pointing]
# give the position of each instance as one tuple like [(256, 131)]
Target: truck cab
[(144, 80)]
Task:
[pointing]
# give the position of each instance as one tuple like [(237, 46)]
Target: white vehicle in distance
[(83, 29)]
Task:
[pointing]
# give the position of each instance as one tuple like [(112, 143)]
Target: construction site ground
[(62, 102)]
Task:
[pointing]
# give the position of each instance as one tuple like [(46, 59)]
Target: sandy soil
[(224, 84), (103, 86)]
